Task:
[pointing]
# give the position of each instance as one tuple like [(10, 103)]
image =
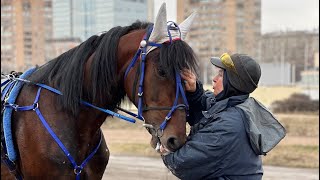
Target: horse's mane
[(103, 70), (65, 72)]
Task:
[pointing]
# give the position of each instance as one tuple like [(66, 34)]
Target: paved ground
[(145, 168)]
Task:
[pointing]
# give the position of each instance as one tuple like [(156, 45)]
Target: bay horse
[(63, 103)]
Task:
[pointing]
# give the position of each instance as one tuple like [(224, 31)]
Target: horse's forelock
[(177, 56)]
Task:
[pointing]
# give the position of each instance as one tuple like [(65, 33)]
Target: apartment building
[(84, 18), (231, 26), (25, 27)]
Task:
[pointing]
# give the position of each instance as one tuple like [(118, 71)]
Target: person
[(229, 130)]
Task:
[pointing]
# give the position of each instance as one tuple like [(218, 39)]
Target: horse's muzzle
[(173, 144)]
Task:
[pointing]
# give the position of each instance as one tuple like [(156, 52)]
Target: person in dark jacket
[(222, 144)]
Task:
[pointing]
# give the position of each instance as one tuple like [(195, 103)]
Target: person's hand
[(190, 80)]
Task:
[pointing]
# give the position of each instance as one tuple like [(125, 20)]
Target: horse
[(62, 104)]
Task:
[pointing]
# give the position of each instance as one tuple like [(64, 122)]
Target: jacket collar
[(223, 104)]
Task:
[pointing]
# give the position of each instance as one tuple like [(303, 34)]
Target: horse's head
[(152, 78)]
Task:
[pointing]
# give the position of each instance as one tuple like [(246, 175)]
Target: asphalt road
[(145, 168)]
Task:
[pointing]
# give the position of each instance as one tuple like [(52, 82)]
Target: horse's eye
[(161, 73)]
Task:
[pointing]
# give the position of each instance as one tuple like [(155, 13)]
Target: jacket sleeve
[(205, 153), (195, 104)]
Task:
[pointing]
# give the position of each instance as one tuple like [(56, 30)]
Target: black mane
[(103, 70), (65, 72), (175, 57)]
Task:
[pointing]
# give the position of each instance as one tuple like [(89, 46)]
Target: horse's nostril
[(173, 143)]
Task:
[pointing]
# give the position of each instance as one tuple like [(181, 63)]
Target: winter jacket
[(218, 146)]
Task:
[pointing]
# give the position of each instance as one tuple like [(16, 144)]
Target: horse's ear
[(160, 25), (186, 24)]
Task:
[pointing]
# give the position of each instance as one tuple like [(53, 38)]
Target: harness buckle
[(7, 157), (35, 106), (11, 77), (13, 106), (167, 118)]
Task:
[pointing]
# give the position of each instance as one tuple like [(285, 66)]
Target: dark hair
[(103, 70), (104, 80)]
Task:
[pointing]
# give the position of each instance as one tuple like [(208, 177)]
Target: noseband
[(142, 53)]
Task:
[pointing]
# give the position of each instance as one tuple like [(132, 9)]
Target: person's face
[(217, 80)]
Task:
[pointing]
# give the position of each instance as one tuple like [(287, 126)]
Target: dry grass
[(306, 156), (300, 148), (300, 124)]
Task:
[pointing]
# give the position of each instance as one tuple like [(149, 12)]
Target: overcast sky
[(289, 14), (275, 14)]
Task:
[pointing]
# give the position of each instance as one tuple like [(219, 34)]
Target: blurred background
[(283, 35)]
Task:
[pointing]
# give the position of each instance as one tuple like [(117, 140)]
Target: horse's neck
[(90, 121)]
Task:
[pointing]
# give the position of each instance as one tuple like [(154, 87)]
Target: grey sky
[(275, 14), (289, 15)]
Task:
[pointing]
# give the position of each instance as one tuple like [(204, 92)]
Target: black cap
[(247, 74), (217, 62)]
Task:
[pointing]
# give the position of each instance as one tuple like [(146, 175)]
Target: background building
[(30, 28), (25, 26), (222, 26), (59, 46), (298, 48), (84, 18), (277, 74)]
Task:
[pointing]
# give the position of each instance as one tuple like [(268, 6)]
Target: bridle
[(142, 53)]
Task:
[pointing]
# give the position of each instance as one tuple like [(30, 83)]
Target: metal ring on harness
[(159, 133), (14, 106), (77, 170), (35, 106)]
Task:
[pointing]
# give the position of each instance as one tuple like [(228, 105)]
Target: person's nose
[(214, 79)]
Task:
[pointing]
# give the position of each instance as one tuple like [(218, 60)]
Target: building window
[(240, 6)]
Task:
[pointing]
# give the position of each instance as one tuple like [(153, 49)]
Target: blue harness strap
[(9, 105), (35, 107), (77, 168), (7, 116)]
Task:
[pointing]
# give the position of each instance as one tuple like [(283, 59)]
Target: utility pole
[(293, 74), (282, 52), (306, 55)]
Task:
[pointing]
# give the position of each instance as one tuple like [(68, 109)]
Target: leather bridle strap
[(142, 52), (159, 108)]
